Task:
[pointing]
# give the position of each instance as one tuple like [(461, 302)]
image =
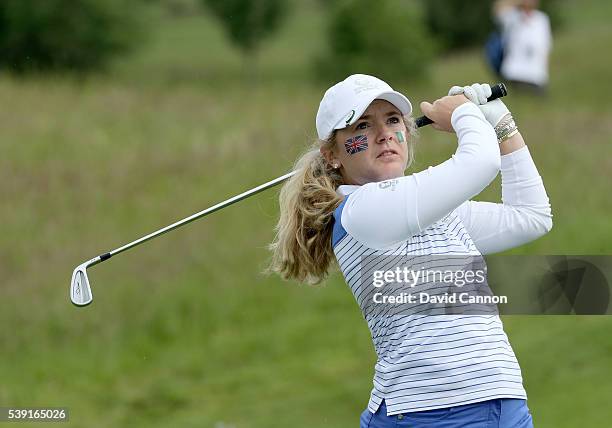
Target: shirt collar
[(347, 189)]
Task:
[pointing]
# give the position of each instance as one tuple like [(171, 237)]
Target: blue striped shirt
[(427, 362)]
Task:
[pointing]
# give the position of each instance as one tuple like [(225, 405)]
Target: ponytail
[(302, 247)]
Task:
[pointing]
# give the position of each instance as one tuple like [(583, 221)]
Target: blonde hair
[(302, 249)]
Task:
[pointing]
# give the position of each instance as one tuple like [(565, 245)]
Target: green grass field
[(185, 331)]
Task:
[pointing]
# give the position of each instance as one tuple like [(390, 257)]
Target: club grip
[(497, 91)]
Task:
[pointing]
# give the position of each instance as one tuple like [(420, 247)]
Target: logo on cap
[(348, 121), (365, 84)]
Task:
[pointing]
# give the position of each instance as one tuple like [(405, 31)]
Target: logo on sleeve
[(388, 184)]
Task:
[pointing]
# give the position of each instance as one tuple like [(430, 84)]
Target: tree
[(385, 38), (248, 23), (76, 35)]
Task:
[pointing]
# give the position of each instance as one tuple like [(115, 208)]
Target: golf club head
[(80, 291)]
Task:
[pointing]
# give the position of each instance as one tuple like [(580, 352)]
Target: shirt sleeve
[(523, 215), (384, 213)]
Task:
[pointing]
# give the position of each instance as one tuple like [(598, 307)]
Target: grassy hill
[(185, 331)]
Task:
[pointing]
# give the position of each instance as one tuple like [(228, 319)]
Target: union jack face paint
[(356, 144)]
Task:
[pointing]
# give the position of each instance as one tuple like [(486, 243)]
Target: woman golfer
[(350, 198)]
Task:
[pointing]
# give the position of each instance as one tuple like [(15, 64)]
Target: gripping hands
[(494, 111)]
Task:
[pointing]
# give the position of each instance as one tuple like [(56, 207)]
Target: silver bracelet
[(506, 128)]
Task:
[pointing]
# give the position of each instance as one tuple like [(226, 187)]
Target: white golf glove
[(494, 111)]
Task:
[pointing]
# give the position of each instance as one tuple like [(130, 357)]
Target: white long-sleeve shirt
[(427, 362)]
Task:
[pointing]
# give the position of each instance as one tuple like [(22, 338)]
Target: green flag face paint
[(356, 144), (401, 137)]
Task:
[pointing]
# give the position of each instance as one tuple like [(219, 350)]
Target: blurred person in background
[(527, 42), (350, 198)]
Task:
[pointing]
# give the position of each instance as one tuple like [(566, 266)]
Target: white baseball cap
[(344, 103)]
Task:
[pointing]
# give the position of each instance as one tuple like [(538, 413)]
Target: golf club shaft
[(498, 90), (197, 215)]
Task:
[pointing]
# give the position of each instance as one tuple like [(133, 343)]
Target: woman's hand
[(478, 93), (441, 111)]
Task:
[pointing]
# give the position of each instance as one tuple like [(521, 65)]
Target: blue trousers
[(499, 413)]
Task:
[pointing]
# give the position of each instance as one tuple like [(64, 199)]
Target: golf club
[(80, 288)]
